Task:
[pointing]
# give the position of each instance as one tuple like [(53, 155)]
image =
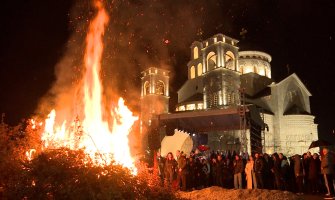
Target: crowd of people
[(301, 174)]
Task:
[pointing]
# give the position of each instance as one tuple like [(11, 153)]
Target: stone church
[(230, 102)]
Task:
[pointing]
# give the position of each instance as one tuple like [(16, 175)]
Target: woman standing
[(249, 173), (170, 166)]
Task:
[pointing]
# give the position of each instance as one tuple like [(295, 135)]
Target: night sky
[(36, 36)]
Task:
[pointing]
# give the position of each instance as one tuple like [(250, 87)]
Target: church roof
[(296, 78), (254, 84), (195, 97)]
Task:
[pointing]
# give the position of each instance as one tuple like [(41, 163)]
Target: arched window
[(199, 69), (160, 88), (195, 53), (211, 60), (229, 59), (192, 72), (146, 88)]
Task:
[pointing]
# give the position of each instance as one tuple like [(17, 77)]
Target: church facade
[(221, 79)]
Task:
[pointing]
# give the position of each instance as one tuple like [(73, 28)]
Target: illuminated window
[(215, 40), (229, 56), (211, 61), (160, 87), (192, 72), (190, 107), (195, 53), (199, 69), (200, 106), (229, 59), (181, 108), (261, 71), (146, 88), (248, 69)]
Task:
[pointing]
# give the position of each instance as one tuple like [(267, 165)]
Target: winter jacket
[(259, 165), (238, 166)]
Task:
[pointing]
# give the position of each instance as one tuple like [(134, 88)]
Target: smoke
[(144, 34), (140, 34), (65, 93)]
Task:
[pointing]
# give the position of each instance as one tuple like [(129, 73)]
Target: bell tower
[(154, 101)]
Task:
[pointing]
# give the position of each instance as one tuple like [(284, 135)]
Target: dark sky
[(299, 35)]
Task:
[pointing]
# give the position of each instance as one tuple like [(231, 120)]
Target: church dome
[(255, 62)]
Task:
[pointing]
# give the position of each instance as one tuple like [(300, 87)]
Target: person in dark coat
[(306, 161), (192, 173), (276, 170), (182, 171), (299, 175), (169, 168), (219, 171), (314, 173), (212, 178), (285, 171), (161, 163), (259, 170), (268, 165), (238, 170)]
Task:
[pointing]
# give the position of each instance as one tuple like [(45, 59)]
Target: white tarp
[(179, 141)]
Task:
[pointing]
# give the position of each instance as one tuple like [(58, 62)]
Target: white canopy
[(179, 141)]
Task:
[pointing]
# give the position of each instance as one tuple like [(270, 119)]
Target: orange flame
[(94, 135)]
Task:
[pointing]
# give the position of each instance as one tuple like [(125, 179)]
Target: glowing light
[(103, 141)]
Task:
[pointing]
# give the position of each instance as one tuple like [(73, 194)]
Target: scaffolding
[(243, 122)]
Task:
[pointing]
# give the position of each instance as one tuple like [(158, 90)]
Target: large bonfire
[(104, 141)]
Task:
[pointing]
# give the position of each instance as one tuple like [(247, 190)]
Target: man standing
[(259, 170), (161, 163), (327, 169), (181, 170), (238, 169)]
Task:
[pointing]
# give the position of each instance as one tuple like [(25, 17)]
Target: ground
[(218, 193)]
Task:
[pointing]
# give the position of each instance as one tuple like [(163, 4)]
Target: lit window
[(200, 106), (195, 53), (211, 61), (159, 88), (248, 69), (192, 72), (215, 40), (261, 71), (229, 56), (146, 88), (199, 69), (190, 107), (181, 108)]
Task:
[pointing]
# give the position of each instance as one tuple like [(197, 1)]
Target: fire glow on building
[(105, 141)]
